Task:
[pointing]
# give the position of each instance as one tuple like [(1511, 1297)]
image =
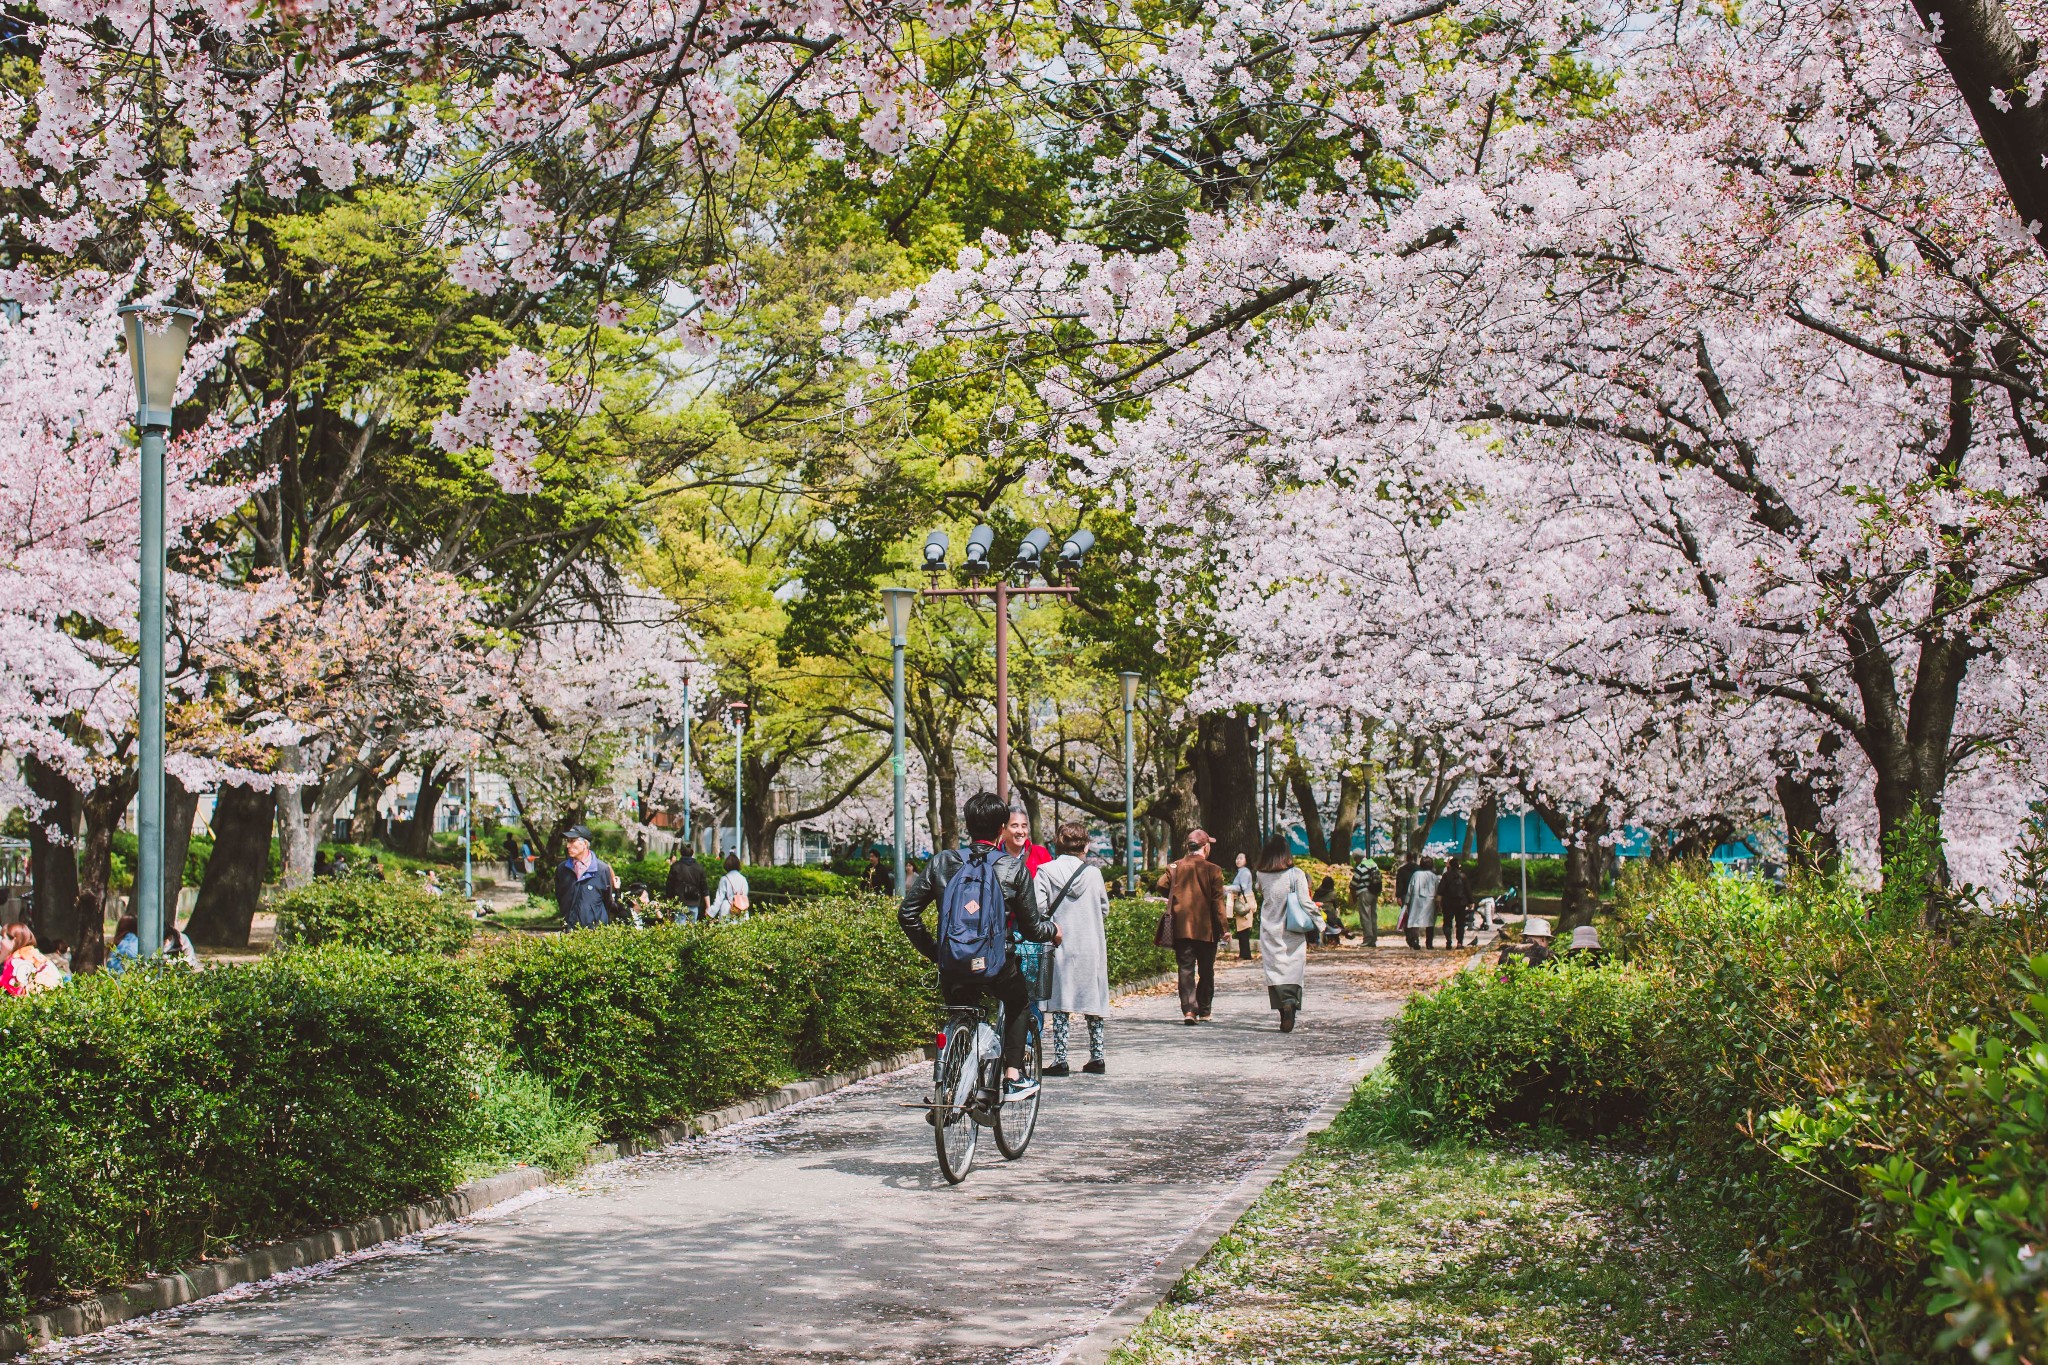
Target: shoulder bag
[(1163, 936), (1301, 919)]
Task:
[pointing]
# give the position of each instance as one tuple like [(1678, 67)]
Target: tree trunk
[(947, 770), (1226, 786), (1991, 63), (1486, 829), (181, 807), (104, 806), (53, 855), (362, 822), (1311, 813), (1344, 830), (233, 885), (1583, 862), (415, 837)]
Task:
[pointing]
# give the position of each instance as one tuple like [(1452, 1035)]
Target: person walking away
[(586, 888), (1244, 907), (1454, 902), (686, 885), (1017, 841), (732, 898), (1282, 952), (1194, 896), (959, 983), (1071, 894), (1404, 877), (1419, 911), (515, 870), (1365, 894), (24, 970)]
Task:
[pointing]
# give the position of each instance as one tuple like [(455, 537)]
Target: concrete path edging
[(1135, 1306), (208, 1278)]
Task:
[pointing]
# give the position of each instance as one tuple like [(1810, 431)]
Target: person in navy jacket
[(586, 888)]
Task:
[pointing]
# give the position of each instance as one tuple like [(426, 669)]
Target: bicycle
[(968, 1089)]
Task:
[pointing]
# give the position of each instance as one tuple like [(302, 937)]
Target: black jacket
[(686, 882), (588, 900), (927, 886)]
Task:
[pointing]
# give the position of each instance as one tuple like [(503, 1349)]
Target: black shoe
[(1098, 1067), (1287, 1019), (1056, 1069), (1189, 1021)]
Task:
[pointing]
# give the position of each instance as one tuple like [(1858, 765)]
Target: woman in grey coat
[(1071, 893), (1282, 952)]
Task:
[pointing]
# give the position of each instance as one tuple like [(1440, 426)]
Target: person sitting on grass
[(23, 970)]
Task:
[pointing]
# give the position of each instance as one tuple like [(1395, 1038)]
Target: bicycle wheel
[(955, 1134), (1015, 1122)]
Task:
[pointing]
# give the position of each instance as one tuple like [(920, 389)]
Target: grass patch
[(1369, 1249)]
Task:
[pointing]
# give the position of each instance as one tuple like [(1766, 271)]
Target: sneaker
[(1023, 1088), (1097, 1067), (1056, 1069)]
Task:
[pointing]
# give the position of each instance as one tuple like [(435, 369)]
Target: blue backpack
[(974, 926)]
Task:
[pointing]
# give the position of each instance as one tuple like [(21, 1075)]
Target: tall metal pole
[(689, 845), (1523, 857), (149, 793), (468, 839), (739, 780), (896, 608), (1003, 689), (1130, 800)]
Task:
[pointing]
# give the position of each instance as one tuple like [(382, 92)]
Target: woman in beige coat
[(1284, 953)]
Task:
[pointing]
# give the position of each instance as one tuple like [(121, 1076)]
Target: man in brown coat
[(1194, 893)]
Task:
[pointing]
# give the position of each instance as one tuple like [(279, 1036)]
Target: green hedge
[(1859, 1092), (1560, 1045), (399, 916), (643, 1026), (157, 1115)]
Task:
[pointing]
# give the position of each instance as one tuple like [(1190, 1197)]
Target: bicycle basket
[(1035, 961)]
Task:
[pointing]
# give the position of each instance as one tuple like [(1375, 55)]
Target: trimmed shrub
[(643, 1026), (398, 916), (1560, 1045), (162, 1114), (1132, 953)]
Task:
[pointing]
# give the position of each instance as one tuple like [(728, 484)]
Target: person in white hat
[(1532, 948)]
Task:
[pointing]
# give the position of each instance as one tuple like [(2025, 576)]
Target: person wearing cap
[(1585, 946), (1194, 896), (586, 888), (1534, 946)]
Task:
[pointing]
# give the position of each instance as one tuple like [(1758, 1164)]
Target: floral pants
[(1059, 1036)]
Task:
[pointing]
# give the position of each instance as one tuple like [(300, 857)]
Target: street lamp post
[(1130, 682), (896, 605), (1029, 562), (1523, 858), (689, 845), (737, 711), (156, 338), (468, 833)]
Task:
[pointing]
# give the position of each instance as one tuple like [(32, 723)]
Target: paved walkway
[(825, 1233)]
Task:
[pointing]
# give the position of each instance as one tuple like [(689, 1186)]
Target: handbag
[(1163, 936), (1300, 918)]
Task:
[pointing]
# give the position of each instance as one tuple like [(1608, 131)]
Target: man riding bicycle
[(984, 817)]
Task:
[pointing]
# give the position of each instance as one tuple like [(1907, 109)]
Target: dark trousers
[(1007, 986), (1197, 959), (1244, 945)]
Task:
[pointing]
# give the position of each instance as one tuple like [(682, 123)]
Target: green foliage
[(521, 1122), (126, 855), (158, 1115), (397, 916), (1132, 953), (1555, 1045), (646, 1026)]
